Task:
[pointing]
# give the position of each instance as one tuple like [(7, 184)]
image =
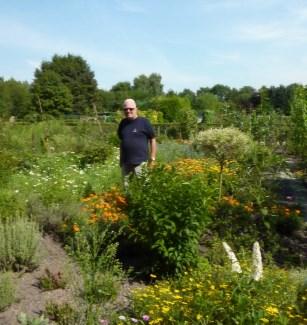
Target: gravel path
[(291, 190)]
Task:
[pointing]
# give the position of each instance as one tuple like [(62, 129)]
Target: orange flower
[(248, 208), (75, 228)]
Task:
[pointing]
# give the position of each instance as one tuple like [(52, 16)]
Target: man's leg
[(127, 170), (140, 169)]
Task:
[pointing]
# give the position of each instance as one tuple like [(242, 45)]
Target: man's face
[(130, 112)]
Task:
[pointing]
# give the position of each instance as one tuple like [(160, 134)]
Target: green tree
[(15, 98), (171, 106), (222, 92), (190, 95), (120, 92), (178, 110), (265, 104), (50, 95), (208, 105), (75, 74), (280, 98), (144, 88)]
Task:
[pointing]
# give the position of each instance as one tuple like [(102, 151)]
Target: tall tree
[(75, 74), (190, 95), (50, 95), (222, 92), (147, 87), (15, 98), (120, 92)]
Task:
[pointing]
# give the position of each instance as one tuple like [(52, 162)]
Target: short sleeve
[(149, 129)]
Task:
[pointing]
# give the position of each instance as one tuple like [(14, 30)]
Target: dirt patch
[(31, 299)]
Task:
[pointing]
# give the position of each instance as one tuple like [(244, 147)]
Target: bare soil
[(31, 299)]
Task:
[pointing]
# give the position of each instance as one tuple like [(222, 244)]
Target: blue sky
[(191, 44)]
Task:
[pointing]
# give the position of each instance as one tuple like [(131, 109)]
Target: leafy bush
[(7, 290), (94, 154), (167, 213), (19, 242)]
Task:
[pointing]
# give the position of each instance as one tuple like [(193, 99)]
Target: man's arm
[(153, 149)]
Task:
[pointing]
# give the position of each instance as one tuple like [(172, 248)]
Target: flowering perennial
[(109, 206)]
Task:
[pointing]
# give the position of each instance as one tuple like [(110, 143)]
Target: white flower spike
[(257, 262), (235, 265)]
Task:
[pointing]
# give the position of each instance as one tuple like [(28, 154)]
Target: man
[(135, 133)]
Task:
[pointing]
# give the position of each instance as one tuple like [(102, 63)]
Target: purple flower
[(145, 318), (104, 322)]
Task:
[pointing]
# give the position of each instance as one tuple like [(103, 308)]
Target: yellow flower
[(223, 286), (156, 321), (165, 310), (153, 276), (264, 320), (199, 316), (273, 311)]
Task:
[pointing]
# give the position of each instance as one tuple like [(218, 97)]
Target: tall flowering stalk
[(257, 262), (235, 265)]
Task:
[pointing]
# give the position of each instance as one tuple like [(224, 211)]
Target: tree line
[(66, 86)]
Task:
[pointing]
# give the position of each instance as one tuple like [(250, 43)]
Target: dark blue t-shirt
[(134, 136)]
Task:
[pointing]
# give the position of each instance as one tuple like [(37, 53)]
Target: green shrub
[(167, 213), (7, 290), (19, 242), (94, 154)]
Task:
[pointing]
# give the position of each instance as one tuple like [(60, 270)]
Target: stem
[(221, 180)]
